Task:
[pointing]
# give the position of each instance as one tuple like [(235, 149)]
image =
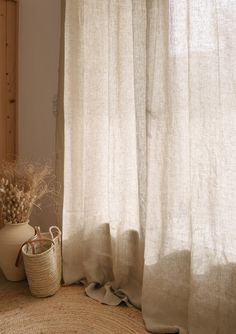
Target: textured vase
[(12, 236)]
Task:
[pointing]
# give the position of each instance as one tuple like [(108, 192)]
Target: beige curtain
[(150, 158)]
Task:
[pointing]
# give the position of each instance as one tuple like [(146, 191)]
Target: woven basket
[(54, 234), (42, 261)]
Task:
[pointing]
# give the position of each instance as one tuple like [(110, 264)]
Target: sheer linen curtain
[(150, 158)]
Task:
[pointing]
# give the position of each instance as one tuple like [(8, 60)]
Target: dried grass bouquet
[(22, 186)]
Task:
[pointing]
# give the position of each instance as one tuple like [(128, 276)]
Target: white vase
[(12, 237)]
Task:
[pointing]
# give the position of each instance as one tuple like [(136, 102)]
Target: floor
[(69, 311)]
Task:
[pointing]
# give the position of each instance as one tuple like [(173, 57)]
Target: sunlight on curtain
[(104, 189), (150, 158)]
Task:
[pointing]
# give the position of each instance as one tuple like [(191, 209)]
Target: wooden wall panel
[(8, 78), (11, 77), (3, 87)]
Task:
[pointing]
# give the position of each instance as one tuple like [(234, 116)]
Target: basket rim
[(40, 254)]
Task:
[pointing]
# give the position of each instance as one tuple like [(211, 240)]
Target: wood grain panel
[(3, 87), (8, 78), (11, 64)]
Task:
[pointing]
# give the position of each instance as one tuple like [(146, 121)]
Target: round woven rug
[(69, 311)]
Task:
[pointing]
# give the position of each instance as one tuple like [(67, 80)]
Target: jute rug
[(69, 311)]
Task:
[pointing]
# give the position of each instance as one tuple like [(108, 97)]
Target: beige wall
[(39, 35)]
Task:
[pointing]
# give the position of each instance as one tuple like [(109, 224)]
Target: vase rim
[(10, 224)]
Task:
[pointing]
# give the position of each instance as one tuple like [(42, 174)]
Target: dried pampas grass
[(22, 186)]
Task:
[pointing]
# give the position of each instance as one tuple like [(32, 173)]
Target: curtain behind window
[(150, 158)]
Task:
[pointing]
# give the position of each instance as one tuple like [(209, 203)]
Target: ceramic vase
[(12, 237)]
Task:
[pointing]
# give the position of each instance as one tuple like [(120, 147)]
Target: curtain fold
[(150, 158), (102, 145)]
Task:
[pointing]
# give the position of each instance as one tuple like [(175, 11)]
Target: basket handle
[(30, 242), (38, 232), (54, 228)]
